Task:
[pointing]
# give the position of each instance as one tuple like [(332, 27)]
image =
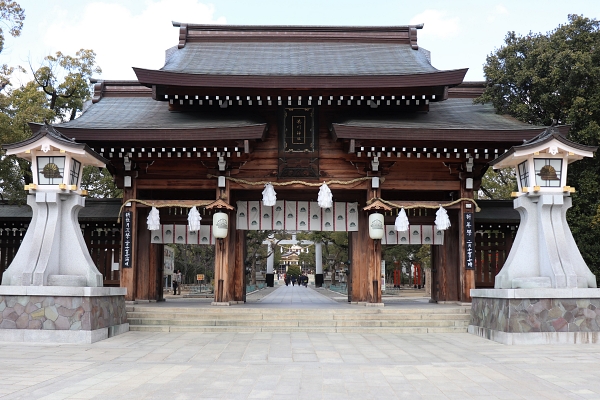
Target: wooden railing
[(10, 240), (103, 241), (492, 248)]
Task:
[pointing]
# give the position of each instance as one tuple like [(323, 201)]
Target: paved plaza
[(148, 365)]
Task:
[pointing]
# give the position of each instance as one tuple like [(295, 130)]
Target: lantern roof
[(46, 138), (550, 142)]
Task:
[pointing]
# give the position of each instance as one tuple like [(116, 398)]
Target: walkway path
[(143, 365), (297, 296)]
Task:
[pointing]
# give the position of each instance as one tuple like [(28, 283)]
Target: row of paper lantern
[(325, 200), (220, 222), (377, 222)]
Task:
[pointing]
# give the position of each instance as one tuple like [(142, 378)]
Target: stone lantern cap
[(47, 139), (550, 143)]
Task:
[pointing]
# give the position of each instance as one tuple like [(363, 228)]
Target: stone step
[(309, 316), (288, 312), (251, 329), (357, 320), (287, 323)]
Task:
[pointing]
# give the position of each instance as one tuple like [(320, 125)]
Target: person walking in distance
[(177, 282)]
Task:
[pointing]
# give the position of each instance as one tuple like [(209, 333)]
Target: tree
[(99, 183), (498, 184), (13, 16), (193, 260), (58, 92), (258, 252), (18, 107), (66, 81), (541, 78)]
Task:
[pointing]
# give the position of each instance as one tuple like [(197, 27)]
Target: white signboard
[(169, 260)]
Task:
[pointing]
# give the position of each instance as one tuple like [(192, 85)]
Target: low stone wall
[(514, 316), (537, 315), (95, 314), (61, 313)]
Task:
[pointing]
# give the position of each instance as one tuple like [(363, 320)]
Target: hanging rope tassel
[(194, 219), (269, 195), (442, 222), (153, 219), (402, 221), (325, 198)]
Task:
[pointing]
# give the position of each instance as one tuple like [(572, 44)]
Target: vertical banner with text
[(127, 236), (469, 241)]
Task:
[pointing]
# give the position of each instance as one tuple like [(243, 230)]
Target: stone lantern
[(53, 252), (52, 291), (544, 285), (544, 254)]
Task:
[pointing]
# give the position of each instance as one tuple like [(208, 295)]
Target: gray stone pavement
[(147, 365)]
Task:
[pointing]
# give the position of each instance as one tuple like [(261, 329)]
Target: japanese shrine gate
[(237, 106)]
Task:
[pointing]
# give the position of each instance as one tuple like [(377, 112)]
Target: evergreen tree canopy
[(538, 78)]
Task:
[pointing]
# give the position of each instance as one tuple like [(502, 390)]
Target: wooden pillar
[(156, 260), (365, 255), (128, 275), (445, 264), (221, 276), (374, 271), (229, 260), (143, 277), (239, 273)]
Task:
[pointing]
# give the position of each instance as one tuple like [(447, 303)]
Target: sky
[(135, 33)]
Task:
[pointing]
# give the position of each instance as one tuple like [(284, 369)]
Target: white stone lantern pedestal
[(53, 268), (544, 287)]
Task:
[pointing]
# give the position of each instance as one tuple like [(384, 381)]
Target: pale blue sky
[(127, 33)]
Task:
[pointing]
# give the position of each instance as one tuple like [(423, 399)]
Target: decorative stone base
[(536, 316), (46, 336), (61, 314), (535, 337)]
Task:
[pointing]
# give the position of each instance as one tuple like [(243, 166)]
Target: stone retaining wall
[(61, 312), (536, 315)]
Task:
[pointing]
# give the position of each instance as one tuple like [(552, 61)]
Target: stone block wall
[(85, 313), (536, 315)]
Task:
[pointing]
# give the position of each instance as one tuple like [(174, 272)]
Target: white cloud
[(437, 24), (498, 11), (122, 40)]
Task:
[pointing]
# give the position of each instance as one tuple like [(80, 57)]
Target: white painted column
[(319, 257), (270, 259)]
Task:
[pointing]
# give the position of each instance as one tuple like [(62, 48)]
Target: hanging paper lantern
[(220, 225), (269, 195), (194, 219), (402, 221), (376, 225), (153, 220), (325, 198), (442, 222)]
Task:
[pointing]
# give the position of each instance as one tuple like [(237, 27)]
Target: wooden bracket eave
[(98, 91), (219, 205), (377, 205), (183, 30)]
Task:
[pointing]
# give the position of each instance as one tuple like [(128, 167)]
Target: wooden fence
[(103, 241), (492, 248)]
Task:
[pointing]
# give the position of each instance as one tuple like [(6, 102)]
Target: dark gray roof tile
[(147, 114), (460, 114), (298, 59)]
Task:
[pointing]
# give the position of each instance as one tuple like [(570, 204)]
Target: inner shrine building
[(233, 107)]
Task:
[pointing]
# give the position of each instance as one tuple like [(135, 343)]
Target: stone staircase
[(356, 320)]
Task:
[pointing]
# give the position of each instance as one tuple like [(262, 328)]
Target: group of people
[(300, 280)]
